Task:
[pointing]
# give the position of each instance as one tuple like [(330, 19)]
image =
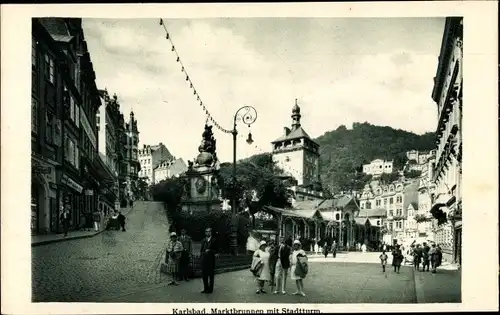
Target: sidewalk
[(444, 286), (52, 238)]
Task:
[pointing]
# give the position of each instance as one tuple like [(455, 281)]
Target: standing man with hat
[(208, 254), (186, 255)]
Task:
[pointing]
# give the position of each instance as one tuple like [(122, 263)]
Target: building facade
[(150, 156), (64, 131), (417, 161), (378, 167), (447, 93), (109, 119), (298, 156), (168, 169), (425, 224), (129, 163)]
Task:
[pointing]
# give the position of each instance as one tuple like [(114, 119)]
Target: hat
[(296, 242), (173, 234), (262, 243)]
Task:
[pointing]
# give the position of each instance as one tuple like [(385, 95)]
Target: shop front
[(72, 192), (43, 196)]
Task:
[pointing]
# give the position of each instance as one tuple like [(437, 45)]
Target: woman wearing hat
[(297, 253), (265, 274), (174, 253)]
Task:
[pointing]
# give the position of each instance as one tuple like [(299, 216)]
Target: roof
[(336, 202), (414, 205), (62, 38), (55, 26), (361, 221), (370, 213), (297, 133), (307, 214), (307, 204)]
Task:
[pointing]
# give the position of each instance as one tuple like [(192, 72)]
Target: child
[(383, 260)]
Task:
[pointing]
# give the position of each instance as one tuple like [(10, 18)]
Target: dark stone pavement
[(112, 262)]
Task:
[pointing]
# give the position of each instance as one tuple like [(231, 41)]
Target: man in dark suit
[(208, 254)]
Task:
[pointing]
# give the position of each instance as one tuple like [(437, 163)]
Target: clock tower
[(201, 192), (297, 154)]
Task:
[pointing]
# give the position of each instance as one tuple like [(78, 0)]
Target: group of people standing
[(428, 256), (273, 262), (178, 258)]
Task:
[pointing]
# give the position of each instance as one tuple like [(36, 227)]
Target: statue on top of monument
[(207, 148)]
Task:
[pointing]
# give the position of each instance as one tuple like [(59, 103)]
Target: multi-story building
[(129, 163), (425, 224), (417, 161), (447, 93), (298, 156), (64, 132), (109, 119), (378, 167), (150, 156), (47, 119), (168, 169)]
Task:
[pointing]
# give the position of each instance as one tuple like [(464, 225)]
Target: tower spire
[(296, 116)]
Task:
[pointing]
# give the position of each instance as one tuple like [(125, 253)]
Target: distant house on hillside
[(378, 167)]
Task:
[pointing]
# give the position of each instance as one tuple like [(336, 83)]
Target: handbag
[(304, 267), (256, 267)]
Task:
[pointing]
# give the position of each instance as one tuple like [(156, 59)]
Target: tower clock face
[(201, 185)]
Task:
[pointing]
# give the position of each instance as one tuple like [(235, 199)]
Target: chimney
[(161, 144), (144, 146), (287, 131)]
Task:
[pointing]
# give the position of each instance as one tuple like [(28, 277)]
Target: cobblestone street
[(326, 283), (110, 263)]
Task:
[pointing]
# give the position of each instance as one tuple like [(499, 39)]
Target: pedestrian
[(363, 248), (265, 273), (435, 256), (97, 220), (282, 265), (425, 257), (325, 248), (121, 219), (297, 272), (186, 255), (208, 254), (316, 247), (397, 258), (383, 260), (66, 218), (173, 257), (273, 249), (417, 257)]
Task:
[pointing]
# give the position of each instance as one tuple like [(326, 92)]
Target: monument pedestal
[(202, 191)]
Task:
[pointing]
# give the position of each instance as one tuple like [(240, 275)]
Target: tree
[(388, 178), (141, 188)]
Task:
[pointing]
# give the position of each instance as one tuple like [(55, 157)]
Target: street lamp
[(247, 115)]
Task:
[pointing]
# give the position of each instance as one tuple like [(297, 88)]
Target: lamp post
[(247, 115)]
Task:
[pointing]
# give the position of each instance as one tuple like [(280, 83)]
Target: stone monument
[(202, 192)]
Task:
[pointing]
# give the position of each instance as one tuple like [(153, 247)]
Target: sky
[(341, 70)]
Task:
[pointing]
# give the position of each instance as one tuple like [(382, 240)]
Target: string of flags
[(202, 105)]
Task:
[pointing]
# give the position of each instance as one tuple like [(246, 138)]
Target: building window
[(399, 224), (399, 199), (378, 202), (391, 213), (72, 108), (391, 200), (77, 115), (368, 205), (34, 115), (49, 68), (385, 201), (33, 52), (399, 212), (410, 213), (49, 129)]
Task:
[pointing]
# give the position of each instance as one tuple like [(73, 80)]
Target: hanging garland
[(191, 85)]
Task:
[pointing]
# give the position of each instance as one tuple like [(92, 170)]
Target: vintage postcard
[(244, 158)]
